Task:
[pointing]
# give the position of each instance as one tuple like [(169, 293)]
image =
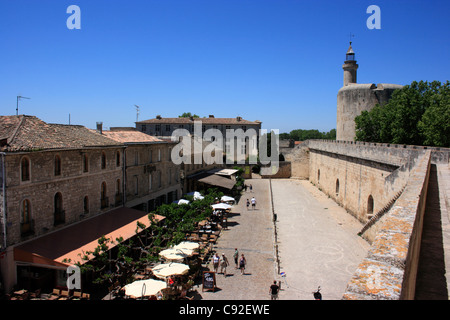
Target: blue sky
[(277, 61)]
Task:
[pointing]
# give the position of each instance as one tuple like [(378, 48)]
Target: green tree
[(188, 115), (417, 114)]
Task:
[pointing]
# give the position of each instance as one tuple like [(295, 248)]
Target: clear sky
[(277, 61)]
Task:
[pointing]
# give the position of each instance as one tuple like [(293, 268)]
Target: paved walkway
[(317, 242)]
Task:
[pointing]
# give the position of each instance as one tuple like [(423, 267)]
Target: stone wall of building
[(74, 183), (355, 98)]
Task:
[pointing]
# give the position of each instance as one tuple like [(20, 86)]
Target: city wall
[(385, 187)]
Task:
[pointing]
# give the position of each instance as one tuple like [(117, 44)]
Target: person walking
[(274, 289), (253, 203), (236, 257), (242, 264), (216, 261), (251, 188), (223, 265)]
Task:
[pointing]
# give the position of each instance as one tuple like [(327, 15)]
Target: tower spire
[(350, 66)]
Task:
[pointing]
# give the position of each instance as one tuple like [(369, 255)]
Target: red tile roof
[(28, 133), (128, 135)]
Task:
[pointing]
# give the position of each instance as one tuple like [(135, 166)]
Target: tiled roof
[(130, 136), (28, 133), (210, 120)]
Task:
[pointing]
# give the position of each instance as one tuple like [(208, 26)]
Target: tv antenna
[(17, 105), (137, 112)]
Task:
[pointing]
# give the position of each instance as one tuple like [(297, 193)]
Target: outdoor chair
[(55, 294)]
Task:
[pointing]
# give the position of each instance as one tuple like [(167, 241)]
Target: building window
[(59, 213), (26, 226), (25, 169), (136, 158), (86, 204), (337, 187), (150, 156), (118, 200), (103, 160), (136, 185), (57, 165), (118, 159), (85, 163), (150, 182), (370, 207), (167, 127), (159, 179), (159, 155), (103, 198), (157, 127)]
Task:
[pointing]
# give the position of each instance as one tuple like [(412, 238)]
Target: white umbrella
[(221, 206), (142, 288), (227, 198), (181, 201), (196, 195), (187, 245), (175, 254), (170, 269)]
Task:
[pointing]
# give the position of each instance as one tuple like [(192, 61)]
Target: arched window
[(58, 207), (103, 160), (370, 207), (86, 204), (25, 169), (337, 187), (57, 165)]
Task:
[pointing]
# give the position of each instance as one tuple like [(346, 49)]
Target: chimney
[(158, 117), (211, 116), (100, 127), (238, 118)]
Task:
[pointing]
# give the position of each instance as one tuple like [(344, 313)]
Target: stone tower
[(350, 67), (353, 98)]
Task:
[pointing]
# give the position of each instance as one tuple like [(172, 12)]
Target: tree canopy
[(417, 114), (302, 135)]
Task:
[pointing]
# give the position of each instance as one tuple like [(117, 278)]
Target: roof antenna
[(137, 112), (17, 106)]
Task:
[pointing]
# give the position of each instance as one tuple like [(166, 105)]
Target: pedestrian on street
[(251, 188), (274, 291), (223, 265), (242, 264), (253, 203), (248, 204), (236, 257), (216, 260)]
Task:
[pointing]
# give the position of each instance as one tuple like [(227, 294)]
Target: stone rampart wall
[(389, 271)]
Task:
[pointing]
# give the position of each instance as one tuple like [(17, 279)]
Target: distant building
[(165, 127), (151, 178)]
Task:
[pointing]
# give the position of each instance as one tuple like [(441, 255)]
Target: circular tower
[(353, 98), (350, 66)]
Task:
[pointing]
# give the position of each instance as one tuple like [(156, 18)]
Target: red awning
[(63, 247)]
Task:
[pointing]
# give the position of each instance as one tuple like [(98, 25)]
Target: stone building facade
[(151, 178), (55, 175)]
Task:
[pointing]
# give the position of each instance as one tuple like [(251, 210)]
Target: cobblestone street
[(317, 242)]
